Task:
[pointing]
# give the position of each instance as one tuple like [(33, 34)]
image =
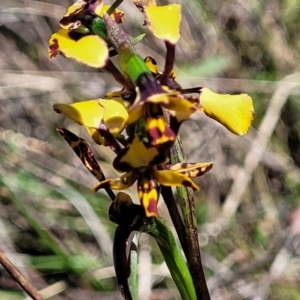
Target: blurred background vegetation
[(57, 232)]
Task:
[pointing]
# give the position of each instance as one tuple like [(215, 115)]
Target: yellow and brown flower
[(74, 40), (146, 164)]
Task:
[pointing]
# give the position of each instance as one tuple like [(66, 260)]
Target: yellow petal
[(192, 169), (164, 21), (92, 113), (96, 136), (138, 154), (70, 21), (148, 195), (120, 183), (178, 103), (158, 131), (88, 113), (135, 112), (152, 65), (235, 112), (75, 8), (173, 178), (89, 49)]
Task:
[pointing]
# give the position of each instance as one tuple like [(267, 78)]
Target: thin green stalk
[(187, 204), (176, 218), (133, 278), (114, 6), (173, 258)]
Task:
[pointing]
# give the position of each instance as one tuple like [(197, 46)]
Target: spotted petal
[(83, 151), (168, 30), (87, 49), (153, 67), (120, 183), (139, 154), (174, 178), (70, 19), (148, 195), (235, 112), (190, 169), (158, 130)]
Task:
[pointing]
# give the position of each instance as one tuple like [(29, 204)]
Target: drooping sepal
[(148, 194)]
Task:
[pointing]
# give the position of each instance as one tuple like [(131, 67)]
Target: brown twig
[(19, 278), (170, 56)]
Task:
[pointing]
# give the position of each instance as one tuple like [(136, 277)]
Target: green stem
[(187, 203), (176, 218), (173, 258), (114, 6), (132, 280), (110, 67)]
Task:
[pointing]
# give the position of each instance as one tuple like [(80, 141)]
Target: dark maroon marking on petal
[(184, 165), (175, 124), (73, 17), (206, 170), (154, 110), (68, 135), (92, 4), (141, 8), (122, 166), (153, 60), (57, 110), (155, 134), (54, 49), (158, 159), (187, 183), (77, 150), (118, 16), (76, 36), (152, 207)]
